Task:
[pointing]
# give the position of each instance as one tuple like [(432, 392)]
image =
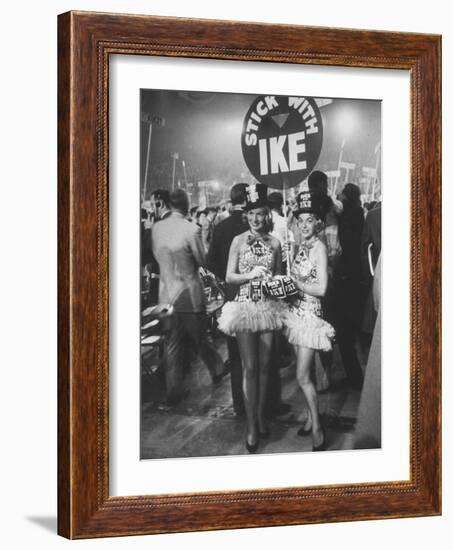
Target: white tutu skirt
[(248, 316), (304, 328)]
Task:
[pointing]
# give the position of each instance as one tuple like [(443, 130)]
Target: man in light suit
[(178, 248)]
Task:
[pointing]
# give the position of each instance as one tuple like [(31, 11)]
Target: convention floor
[(203, 424)]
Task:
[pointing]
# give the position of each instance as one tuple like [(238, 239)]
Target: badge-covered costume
[(304, 325), (252, 310)]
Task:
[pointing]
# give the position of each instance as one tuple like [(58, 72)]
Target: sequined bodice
[(256, 253), (302, 267)]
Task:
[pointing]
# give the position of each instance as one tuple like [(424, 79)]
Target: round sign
[(282, 139)]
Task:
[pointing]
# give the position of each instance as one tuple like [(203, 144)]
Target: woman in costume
[(304, 326), (255, 256)]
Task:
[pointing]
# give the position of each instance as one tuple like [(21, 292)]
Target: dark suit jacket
[(371, 235), (350, 227), (222, 237)]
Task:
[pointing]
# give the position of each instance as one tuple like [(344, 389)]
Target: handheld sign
[(282, 139)]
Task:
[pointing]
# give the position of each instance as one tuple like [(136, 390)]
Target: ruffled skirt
[(304, 328), (248, 316)]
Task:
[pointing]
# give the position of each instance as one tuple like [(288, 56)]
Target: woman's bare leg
[(304, 362), (248, 349), (326, 358), (265, 354)]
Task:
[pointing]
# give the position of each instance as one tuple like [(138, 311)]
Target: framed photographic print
[(249, 275)]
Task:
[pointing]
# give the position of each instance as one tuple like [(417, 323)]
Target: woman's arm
[(232, 275), (319, 287)]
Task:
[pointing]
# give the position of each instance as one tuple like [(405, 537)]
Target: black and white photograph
[(260, 273)]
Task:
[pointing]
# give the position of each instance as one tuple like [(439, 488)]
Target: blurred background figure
[(370, 251), (318, 185), (206, 221), (193, 215), (223, 234), (368, 429), (283, 353), (226, 207), (160, 208), (349, 293), (330, 211), (179, 251), (281, 230)]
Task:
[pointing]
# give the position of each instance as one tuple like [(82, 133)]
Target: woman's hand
[(258, 272), (299, 282)]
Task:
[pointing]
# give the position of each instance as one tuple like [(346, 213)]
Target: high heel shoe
[(304, 431), (322, 446), (252, 447), (265, 434)]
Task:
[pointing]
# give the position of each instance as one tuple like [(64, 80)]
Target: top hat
[(255, 196), (309, 203)]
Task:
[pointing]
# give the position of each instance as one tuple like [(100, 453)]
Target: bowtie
[(251, 239)]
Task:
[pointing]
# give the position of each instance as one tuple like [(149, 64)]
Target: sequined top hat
[(255, 196), (309, 203)]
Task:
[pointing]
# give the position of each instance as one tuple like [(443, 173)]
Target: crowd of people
[(297, 280)]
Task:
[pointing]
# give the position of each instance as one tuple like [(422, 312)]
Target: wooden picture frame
[(85, 41)]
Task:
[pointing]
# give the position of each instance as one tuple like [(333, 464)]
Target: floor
[(204, 424)]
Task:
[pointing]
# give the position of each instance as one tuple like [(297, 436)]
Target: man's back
[(179, 251)]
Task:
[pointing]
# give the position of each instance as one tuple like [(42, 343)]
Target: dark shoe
[(321, 446), (265, 434), (252, 447), (304, 431)]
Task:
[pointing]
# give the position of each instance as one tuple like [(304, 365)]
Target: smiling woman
[(304, 326), (254, 257)]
